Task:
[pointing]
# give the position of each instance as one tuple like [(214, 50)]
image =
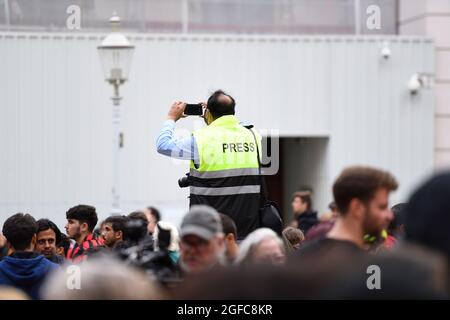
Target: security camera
[(414, 84), (386, 51)]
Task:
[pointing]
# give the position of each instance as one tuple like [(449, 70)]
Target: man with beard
[(48, 237), (361, 195), (113, 231), (81, 221)]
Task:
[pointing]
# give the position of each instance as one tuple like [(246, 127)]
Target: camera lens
[(183, 182)]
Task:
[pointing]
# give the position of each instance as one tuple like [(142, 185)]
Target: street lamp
[(115, 55)]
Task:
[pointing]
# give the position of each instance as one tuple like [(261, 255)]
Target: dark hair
[(138, 215), (45, 224), (97, 233), (360, 183), (155, 213), (427, 218), (332, 206), (118, 223), (305, 196), (398, 212), (228, 225), (19, 230), (135, 227), (64, 243), (218, 106), (84, 214)]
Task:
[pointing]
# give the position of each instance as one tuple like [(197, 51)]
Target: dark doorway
[(303, 166)]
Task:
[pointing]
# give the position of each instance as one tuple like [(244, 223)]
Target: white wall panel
[(55, 119)]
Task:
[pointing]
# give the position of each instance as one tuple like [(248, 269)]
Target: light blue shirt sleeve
[(168, 145)]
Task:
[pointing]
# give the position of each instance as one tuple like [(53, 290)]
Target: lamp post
[(115, 55)]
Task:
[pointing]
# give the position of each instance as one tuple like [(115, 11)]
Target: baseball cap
[(202, 221)]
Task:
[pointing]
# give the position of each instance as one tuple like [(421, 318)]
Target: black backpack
[(269, 212)]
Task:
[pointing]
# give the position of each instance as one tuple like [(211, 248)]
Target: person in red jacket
[(81, 221)]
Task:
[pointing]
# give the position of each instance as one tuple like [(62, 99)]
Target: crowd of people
[(141, 256)]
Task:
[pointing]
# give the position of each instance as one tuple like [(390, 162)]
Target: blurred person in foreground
[(202, 245), (97, 282), (10, 293), (409, 273), (411, 269), (261, 246), (427, 219), (254, 282), (361, 195), (24, 268)]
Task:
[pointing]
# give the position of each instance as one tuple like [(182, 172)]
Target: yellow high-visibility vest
[(227, 175)]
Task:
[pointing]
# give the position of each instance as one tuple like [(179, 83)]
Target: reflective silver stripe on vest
[(224, 191), (224, 173)]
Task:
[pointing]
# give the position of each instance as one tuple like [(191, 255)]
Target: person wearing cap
[(201, 240)]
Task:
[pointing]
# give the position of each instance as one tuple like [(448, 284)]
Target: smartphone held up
[(193, 109)]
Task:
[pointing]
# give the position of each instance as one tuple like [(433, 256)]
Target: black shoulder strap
[(196, 166), (249, 127), (263, 181)]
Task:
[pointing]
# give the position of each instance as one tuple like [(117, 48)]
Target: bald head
[(225, 99), (221, 104)]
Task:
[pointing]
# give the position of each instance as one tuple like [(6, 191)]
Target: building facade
[(334, 101)]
